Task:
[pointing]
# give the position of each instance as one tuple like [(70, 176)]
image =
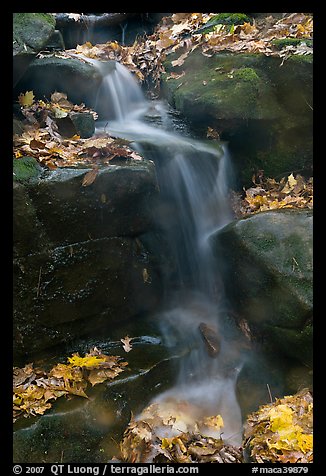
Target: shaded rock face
[(268, 277), (80, 81), (262, 109), (83, 256)]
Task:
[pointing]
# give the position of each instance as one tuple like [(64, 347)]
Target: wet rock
[(120, 202), (263, 110), (268, 277), (88, 431), (73, 290), (80, 261)]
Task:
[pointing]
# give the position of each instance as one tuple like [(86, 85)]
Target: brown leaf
[(100, 375), (126, 343), (90, 177), (36, 144)]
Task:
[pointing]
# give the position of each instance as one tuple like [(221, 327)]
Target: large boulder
[(78, 79), (268, 277), (31, 33), (263, 109), (83, 254)]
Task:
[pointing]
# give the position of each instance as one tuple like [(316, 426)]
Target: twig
[(269, 392), (61, 460), (39, 283)]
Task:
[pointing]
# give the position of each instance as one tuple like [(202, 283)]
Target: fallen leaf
[(127, 347), (90, 177), (89, 362), (26, 99), (36, 144)]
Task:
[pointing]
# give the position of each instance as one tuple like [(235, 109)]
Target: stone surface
[(263, 110), (31, 32), (268, 277), (80, 262), (79, 80), (118, 203)]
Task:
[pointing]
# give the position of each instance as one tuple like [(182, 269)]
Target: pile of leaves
[(270, 194), (281, 432), (185, 32), (34, 390), (170, 432), (41, 137)]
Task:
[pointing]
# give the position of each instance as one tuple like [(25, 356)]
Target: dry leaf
[(90, 177), (127, 347)]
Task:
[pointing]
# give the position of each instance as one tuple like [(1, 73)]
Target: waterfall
[(193, 178)]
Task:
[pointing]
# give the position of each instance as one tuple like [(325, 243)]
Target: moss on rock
[(269, 277), (25, 169), (224, 19), (262, 110), (280, 43), (31, 31)]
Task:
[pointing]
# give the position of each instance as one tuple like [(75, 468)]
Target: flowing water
[(194, 180)]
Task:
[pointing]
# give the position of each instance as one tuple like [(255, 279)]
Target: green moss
[(25, 168), (31, 31), (246, 74), (224, 19), (231, 18), (283, 42)]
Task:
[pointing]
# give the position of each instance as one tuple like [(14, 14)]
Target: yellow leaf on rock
[(88, 362), (26, 99)]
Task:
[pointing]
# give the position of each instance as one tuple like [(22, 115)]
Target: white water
[(193, 179)]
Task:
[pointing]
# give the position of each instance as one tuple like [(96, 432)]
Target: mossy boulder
[(262, 109), (268, 277), (25, 169), (31, 32)]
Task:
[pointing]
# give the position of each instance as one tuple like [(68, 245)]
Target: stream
[(194, 180)]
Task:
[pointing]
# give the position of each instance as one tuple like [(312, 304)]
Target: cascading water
[(193, 179)]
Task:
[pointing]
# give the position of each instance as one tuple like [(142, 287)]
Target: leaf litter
[(292, 191), (175, 431), (41, 137), (282, 432), (184, 32), (34, 390)]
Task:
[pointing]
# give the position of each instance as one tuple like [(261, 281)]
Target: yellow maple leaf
[(26, 99), (88, 362)]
